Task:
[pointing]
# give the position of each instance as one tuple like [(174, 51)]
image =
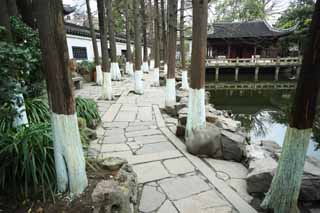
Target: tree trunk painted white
[(21, 116), (165, 69), (156, 82), (106, 93), (196, 110), (145, 67), (138, 84), (68, 154), (129, 68), (151, 65), (99, 75), (184, 80), (286, 183), (170, 100), (115, 71)]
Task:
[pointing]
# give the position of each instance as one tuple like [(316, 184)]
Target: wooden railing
[(251, 86)]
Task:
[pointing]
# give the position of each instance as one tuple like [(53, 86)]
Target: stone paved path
[(171, 180)]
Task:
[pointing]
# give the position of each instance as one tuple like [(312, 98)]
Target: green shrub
[(87, 109), (27, 160), (37, 110)]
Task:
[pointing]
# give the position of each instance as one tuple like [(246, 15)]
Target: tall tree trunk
[(137, 47), (184, 72), (151, 33), (5, 19), (145, 66), (94, 45), (13, 10), (106, 84), (157, 45), (196, 107), (171, 78), (164, 36), (26, 8), (115, 70), (129, 65), (68, 153), (284, 191)]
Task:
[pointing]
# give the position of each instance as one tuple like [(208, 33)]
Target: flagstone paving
[(171, 180)]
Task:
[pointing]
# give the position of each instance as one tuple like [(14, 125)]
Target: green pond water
[(263, 113)]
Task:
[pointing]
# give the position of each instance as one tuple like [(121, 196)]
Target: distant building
[(244, 40)]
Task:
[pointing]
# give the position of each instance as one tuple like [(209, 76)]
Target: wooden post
[(276, 77), (68, 153), (217, 74), (196, 109), (236, 74), (256, 74), (229, 51)]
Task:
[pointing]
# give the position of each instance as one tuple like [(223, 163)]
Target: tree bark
[(157, 45), (128, 37), (93, 35), (285, 187), (112, 39), (13, 10), (5, 19), (69, 158), (137, 47), (26, 8), (151, 33), (182, 47), (144, 30), (164, 32)]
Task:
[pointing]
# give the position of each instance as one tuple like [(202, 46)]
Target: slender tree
[(106, 84), (171, 78), (137, 47), (156, 45), (164, 36), (5, 19), (196, 106), (284, 191), (145, 66), (68, 153), (129, 64), (12, 7), (184, 72), (94, 45), (151, 34), (115, 70), (26, 8)]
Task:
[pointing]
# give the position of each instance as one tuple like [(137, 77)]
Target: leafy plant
[(87, 109), (27, 160), (37, 110)]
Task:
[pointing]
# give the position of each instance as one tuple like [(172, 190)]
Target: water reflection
[(263, 113)]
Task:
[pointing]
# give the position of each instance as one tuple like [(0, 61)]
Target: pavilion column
[(276, 77), (229, 51), (217, 74), (256, 74), (236, 74), (298, 72)]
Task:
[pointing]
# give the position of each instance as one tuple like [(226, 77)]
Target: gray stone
[(182, 187), (233, 146), (143, 132), (311, 181), (115, 124), (240, 186), (125, 116), (152, 171), (233, 169), (151, 199), (150, 139), (178, 166), (206, 141), (113, 163), (203, 202), (114, 139), (167, 207), (155, 147), (144, 114)]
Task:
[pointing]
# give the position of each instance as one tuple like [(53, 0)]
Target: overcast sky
[(283, 4)]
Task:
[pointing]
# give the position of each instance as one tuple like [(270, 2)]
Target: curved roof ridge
[(271, 28)]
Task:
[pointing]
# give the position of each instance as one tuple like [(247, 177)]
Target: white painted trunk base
[(68, 154), (129, 68), (21, 117), (285, 187), (170, 100), (151, 65), (106, 93), (145, 67), (156, 82), (184, 80), (196, 118), (138, 84), (99, 75), (165, 68), (115, 71)]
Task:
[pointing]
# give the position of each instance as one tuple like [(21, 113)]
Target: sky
[(81, 4)]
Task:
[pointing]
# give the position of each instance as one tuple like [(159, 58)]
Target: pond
[(263, 113)]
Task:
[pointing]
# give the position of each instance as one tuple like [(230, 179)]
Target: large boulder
[(310, 186), (233, 145), (206, 142)]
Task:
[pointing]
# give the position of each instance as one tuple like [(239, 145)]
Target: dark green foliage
[(87, 109), (37, 110), (27, 162)]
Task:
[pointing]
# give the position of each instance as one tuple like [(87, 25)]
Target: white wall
[(80, 41)]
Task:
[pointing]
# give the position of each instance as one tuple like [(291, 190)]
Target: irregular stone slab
[(144, 114), (142, 123), (311, 180), (155, 147), (148, 172), (114, 163), (129, 107), (178, 166), (150, 139), (124, 154), (233, 146), (135, 159), (203, 202), (115, 124), (136, 128), (111, 113), (114, 147), (143, 132), (114, 131), (151, 199), (181, 187), (159, 118), (233, 169), (240, 186), (114, 139), (167, 207), (125, 116)]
